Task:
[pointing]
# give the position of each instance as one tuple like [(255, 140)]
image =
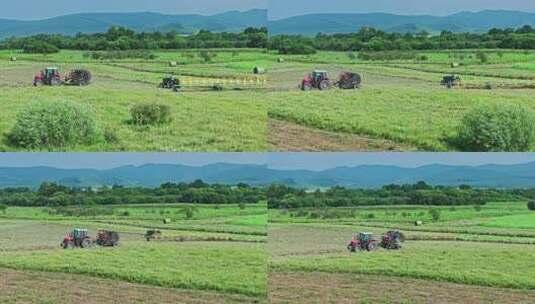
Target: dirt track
[(40, 287), (290, 137), (299, 287)]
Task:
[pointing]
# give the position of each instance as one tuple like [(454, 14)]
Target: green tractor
[(170, 82), (451, 81), (49, 76), (363, 241)]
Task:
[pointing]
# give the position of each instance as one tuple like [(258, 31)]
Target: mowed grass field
[(217, 255), (401, 105), (479, 256), (202, 120)]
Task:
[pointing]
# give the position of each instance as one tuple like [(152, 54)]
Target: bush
[(497, 128), (40, 47), (3, 208), (150, 114), (435, 214), (54, 124), (482, 57), (130, 54), (531, 205)]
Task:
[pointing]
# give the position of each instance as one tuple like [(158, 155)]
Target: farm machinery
[(51, 76), (320, 80), (363, 241), (451, 81), (153, 235), (392, 240), (170, 82), (79, 238)]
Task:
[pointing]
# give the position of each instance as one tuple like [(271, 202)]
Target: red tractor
[(318, 80), (393, 240), (78, 238), (49, 76), (363, 241)]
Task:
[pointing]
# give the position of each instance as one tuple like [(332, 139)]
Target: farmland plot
[(224, 260), (201, 119), (480, 255), (401, 106)]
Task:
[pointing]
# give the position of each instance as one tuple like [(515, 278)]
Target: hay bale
[(455, 64), (418, 223), (167, 221), (13, 58), (173, 63), (259, 70), (280, 60)]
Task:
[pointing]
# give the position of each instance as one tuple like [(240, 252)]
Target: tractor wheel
[(38, 83), (372, 246), (68, 245), (324, 85), (306, 87), (55, 81), (86, 243)]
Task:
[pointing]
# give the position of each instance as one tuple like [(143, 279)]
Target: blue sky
[(38, 9), (311, 161), (284, 8)]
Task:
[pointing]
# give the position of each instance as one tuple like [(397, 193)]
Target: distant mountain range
[(474, 22), (371, 176), (232, 21)]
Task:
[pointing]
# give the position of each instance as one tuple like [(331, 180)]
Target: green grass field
[(401, 101), (219, 253), (202, 120), (468, 253)]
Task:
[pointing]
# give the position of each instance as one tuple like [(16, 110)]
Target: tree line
[(373, 40), (279, 196), (197, 192), (123, 39), (286, 197)]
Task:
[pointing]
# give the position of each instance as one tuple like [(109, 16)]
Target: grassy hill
[(232, 21), (312, 24)]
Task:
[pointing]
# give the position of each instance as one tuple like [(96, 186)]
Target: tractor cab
[(319, 75), (51, 71)]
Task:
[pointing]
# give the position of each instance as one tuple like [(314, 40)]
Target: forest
[(374, 40), (122, 39), (421, 193), (197, 192)]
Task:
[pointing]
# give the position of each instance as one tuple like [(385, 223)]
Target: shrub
[(531, 205), (435, 214), (492, 128), (150, 114), (40, 47), (54, 124), (3, 208), (111, 137), (482, 57)]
